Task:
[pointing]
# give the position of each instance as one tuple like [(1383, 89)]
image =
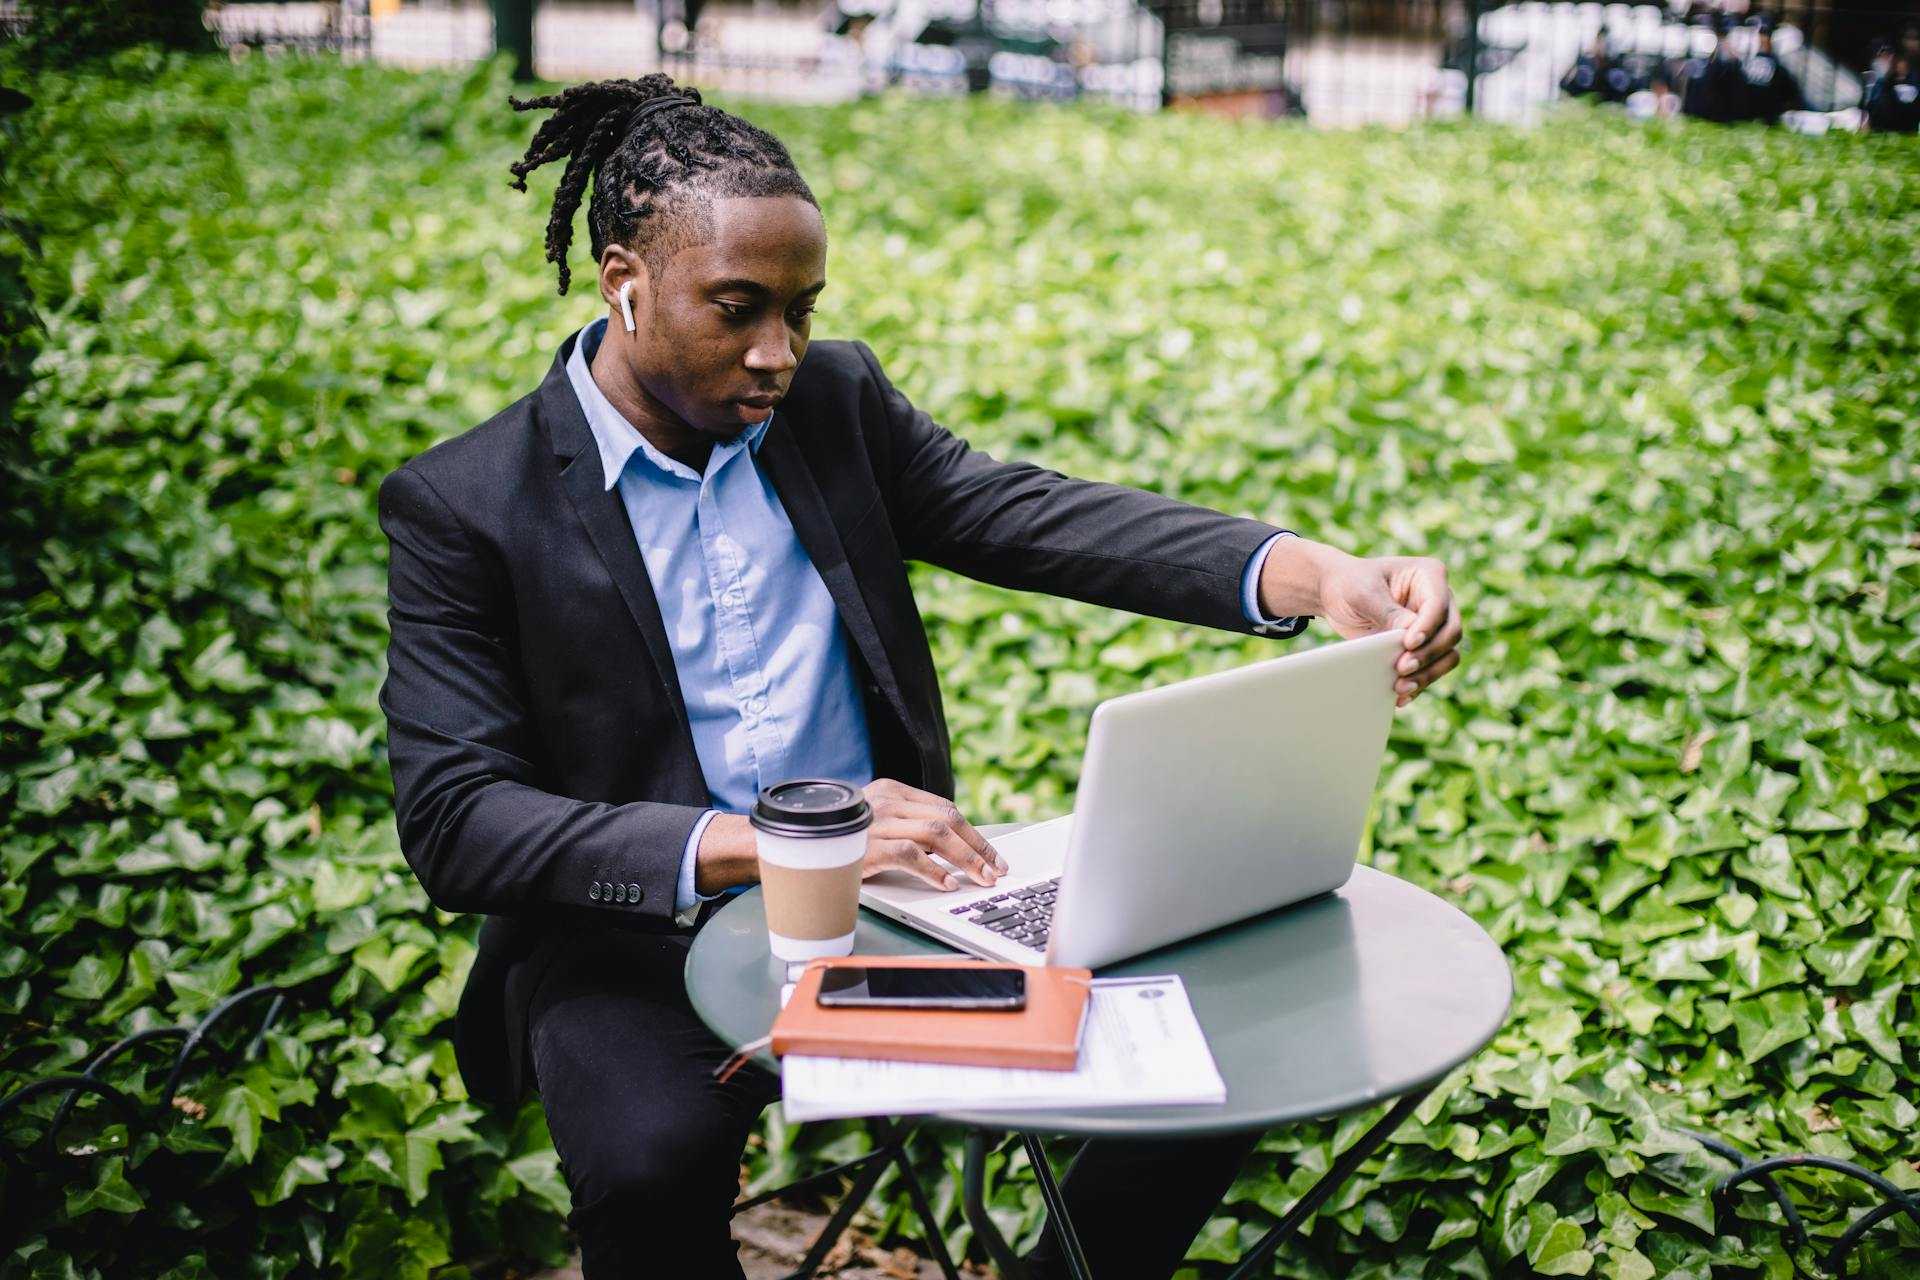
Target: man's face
[(729, 319)]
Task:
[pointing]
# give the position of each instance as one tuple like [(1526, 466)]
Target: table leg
[(1056, 1208), (973, 1200), (812, 1179), (890, 1147), (1329, 1182), (975, 1203), (929, 1225), (856, 1196)]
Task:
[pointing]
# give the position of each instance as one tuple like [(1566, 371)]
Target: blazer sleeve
[(479, 831), (1019, 525)]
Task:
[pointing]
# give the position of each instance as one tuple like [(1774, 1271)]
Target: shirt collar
[(616, 438)]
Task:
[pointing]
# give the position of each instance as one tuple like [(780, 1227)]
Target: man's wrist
[(727, 856), (685, 898), (1293, 577)]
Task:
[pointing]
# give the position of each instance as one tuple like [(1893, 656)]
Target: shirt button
[(633, 894)]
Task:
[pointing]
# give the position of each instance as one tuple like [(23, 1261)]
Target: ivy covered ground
[(1651, 392)]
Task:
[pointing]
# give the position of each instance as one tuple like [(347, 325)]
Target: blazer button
[(594, 892), (619, 893), (633, 894)]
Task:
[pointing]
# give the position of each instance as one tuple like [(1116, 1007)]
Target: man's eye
[(803, 315), (736, 310)]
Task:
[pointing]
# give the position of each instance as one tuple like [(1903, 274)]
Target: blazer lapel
[(605, 519), (813, 525)]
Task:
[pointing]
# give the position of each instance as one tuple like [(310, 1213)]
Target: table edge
[(1126, 1121)]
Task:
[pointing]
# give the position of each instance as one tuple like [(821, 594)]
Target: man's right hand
[(910, 825)]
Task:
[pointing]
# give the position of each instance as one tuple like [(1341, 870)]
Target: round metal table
[(1373, 992)]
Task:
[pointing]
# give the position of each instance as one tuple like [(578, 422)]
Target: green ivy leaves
[(1649, 392)]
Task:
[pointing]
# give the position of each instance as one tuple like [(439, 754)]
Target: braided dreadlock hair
[(656, 171)]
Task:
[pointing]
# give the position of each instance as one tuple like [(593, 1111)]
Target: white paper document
[(1140, 1046)]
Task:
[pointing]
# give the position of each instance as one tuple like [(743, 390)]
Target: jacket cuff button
[(594, 891), (633, 894)]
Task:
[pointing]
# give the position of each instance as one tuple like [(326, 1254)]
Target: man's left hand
[(1363, 596), (1360, 597)]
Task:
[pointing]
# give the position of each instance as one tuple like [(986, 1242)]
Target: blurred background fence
[(1335, 62)]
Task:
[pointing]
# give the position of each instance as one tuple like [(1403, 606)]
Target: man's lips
[(759, 402)]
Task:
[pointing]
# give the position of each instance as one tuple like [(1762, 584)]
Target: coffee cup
[(811, 835)]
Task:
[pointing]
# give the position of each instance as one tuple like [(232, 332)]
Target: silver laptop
[(1200, 803)]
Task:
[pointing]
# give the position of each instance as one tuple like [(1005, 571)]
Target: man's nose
[(772, 351)]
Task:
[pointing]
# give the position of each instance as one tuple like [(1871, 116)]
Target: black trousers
[(650, 1144)]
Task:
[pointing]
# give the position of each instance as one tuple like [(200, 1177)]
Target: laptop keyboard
[(1019, 915)]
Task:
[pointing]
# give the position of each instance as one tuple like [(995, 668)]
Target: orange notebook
[(1046, 1033)]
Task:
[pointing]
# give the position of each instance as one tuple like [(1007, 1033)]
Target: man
[(1892, 96), (675, 573), (1772, 90), (1598, 72)]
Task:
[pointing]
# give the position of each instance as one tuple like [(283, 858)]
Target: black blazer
[(544, 773)]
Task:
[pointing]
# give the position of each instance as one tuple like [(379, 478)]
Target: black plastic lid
[(811, 807)]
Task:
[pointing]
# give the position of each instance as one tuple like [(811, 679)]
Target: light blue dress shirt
[(764, 664), (1250, 594), (762, 659)]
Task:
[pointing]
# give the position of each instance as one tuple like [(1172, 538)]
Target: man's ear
[(620, 265)]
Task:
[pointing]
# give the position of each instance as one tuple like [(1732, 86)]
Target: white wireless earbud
[(626, 306)]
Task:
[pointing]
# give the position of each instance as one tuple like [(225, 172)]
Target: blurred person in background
[(1583, 77), (1597, 72), (1712, 87), (1772, 90), (1892, 101), (1879, 64)]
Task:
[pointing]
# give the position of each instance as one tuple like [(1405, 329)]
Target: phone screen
[(987, 987)]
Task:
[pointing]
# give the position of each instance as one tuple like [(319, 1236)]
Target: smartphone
[(883, 986)]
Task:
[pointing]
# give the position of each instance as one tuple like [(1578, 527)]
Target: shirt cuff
[(687, 899), (1250, 594)]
